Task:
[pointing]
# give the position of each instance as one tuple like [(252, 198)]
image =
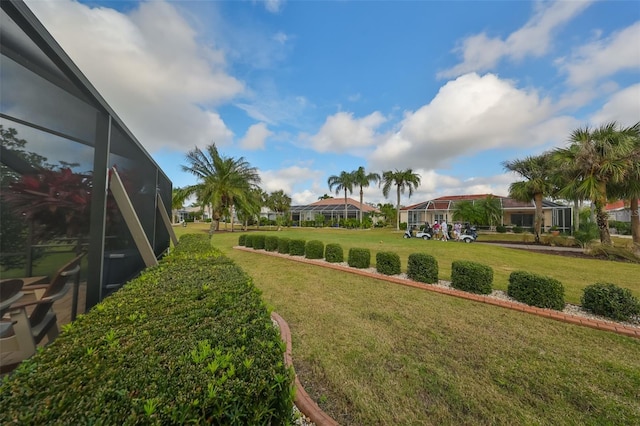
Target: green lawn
[(370, 352)]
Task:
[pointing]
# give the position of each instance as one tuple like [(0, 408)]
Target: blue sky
[(306, 89)]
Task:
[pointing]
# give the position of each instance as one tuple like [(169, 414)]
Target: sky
[(303, 90)]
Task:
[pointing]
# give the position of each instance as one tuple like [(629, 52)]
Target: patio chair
[(43, 320), (16, 341)]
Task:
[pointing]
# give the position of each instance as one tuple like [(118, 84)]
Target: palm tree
[(491, 209), (223, 181), (343, 182), (403, 180), (250, 207), (537, 170), (363, 179), (467, 211), (597, 159), (280, 203), (177, 201)]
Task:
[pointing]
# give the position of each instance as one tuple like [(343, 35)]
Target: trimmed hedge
[(314, 249), (296, 247), (388, 263), (283, 245), (536, 290), (258, 241), (242, 240), (271, 243), (423, 268), (471, 277), (248, 241), (333, 253), (611, 301), (187, 342), (359, 258)]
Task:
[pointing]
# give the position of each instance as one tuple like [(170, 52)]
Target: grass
[(371, 352)]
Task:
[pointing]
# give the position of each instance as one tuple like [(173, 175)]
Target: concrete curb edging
[(302, 399), (546, 313)]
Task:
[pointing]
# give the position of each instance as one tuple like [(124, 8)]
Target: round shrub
[(258, 241), (283, 245), (388, 263), (248, 241), (423, 268), (333, 253), (359, 258), (296, 247), (536, 290), (241, 239), (501, 229), (471, 277), (314, 249), (611, 301), (271, 243)]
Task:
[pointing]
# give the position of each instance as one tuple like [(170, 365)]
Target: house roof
[(334, 204), (617, 205), (446, 202)]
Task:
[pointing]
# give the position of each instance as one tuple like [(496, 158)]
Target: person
[(457, 229), (445, 231), (436, 230)]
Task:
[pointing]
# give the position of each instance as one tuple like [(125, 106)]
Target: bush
[(296, 247), (586, 234), (423, 268), (610, 301), (283, 245), (314, 249), (517, 229), (501, 229), (258, 241), (403, 226), (271, 243), (536, 290), (388, 263), (471, 277), (359, 258), (241, 240), (248, 241), (130, 361), (333, 253)]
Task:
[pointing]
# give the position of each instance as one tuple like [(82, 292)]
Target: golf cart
[(424, 234), (469, 235)]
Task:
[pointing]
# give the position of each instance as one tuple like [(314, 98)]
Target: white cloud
[(274, 6), (468, 115), (149, 67), (342, 132), (255, 137), (603, 58), (482, 53), (623, 107), (286, 179)]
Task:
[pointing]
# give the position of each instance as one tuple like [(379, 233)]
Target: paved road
[(534, 247)]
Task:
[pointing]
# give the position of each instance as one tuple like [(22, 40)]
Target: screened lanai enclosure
[(74, 179)]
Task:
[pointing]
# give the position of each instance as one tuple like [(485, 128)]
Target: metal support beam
[(166, 220)]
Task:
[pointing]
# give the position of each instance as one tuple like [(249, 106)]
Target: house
[(331, 208), (513, 212), (620, 211)]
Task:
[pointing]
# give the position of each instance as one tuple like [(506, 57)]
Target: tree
[(537, 170), (403, 180), (325, 197), (251, 206), (491, 210), (177, 201), (223, 181), (467, 211), (597, 159), (280, 203), (343, 182), (363, 179), (388, 211)]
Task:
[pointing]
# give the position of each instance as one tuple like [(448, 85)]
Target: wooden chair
[(43, 320)]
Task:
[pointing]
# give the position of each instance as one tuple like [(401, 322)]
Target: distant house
[(514, 212), (620, 211), (331, 208)]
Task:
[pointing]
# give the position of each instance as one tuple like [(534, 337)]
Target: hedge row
[(532, 289), (187, 342)]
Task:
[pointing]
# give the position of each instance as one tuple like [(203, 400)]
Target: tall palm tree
[(491, 208), (177, 201), (403, 180), (363, 179), (537, 170), (280, 203), (223, 181), (597, 159), (343, 182)]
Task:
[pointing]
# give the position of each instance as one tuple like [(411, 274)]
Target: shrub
[(536, 290), (333, 253), (283, 245), (423, 268), (241, 239), (258, 241), (296, 247), (610, 301), (517, 229), (130, 361), (471, 277), (314, 249), (359, 258), (388, 263), (248, 241), (501, 229), (271, 243)]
